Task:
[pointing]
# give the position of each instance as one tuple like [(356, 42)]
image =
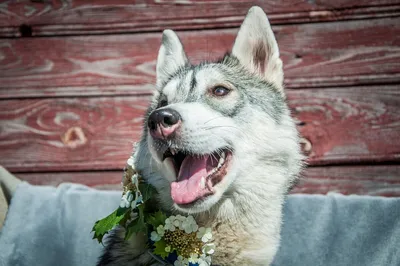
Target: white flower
[(177, 223), (193, 258), (208, 248), (169, 224), (130, 161), (135, 180), (191, 219), (167, 249), (129, 196), (180, 218), (160, 230), (181, 261), (154, 236), (171, 228), (178, 263), (203, 263), (136, 200), (169, 220), (204, 234), (204, 260), (124, 203), (189, 225)]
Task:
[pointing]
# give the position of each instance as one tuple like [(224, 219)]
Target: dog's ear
[(171, 57), (256, 48)]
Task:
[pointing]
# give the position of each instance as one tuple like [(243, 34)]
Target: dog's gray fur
[(253, 121)]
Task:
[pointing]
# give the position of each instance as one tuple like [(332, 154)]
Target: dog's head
[(215, 128)]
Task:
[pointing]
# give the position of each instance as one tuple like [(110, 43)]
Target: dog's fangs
[(219, 143)]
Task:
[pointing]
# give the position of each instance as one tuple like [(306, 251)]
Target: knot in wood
[(74, 137)]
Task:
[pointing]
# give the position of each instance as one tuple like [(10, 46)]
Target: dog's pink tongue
[(190, 187)]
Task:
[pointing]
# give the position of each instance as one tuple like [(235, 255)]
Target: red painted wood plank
[(356, 124), (362, 180), (76, 91), (102, 16), (314, 55), (339, 125), (69, 134)]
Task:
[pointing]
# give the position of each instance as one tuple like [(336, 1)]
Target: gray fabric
[(48, 226), (340, 230)]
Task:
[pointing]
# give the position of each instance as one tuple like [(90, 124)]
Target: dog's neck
[(250, 204)]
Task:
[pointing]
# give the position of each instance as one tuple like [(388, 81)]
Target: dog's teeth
[(223, 155), (221, 161), (173, 151), (203, 182)]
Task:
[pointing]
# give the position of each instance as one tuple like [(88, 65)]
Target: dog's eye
[(220, 91)]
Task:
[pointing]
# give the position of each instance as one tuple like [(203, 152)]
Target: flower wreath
[(174, 240)]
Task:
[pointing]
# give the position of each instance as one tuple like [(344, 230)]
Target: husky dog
[(219, 143)]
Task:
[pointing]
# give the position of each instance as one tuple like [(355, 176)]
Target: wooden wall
[(75, 79)]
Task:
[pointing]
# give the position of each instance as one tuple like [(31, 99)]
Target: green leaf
[(156, 219), (160, 248), (103, 226), (147, 191), (138, 225), (121, 215)]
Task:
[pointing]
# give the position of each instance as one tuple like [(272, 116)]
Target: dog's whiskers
[(213, 119)]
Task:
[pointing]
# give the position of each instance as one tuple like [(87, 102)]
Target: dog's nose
[(162, 123)]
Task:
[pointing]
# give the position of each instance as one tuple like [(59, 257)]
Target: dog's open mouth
[(196, 175)]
